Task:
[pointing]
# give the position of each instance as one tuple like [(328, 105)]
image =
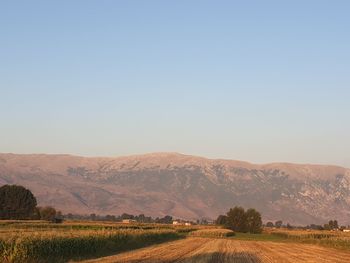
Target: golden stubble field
[(220, 245), (196, 249)]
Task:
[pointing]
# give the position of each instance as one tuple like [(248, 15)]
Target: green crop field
[(38, 241)]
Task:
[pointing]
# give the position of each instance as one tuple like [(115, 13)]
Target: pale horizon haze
[(259, 81)]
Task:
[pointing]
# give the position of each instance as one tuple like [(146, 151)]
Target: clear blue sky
[(260, 81)]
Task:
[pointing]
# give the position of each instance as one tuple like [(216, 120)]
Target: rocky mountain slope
[(183, 186)]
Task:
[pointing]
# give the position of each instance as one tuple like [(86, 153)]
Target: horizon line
[(180, 154)]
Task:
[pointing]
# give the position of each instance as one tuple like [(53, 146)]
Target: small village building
[(181, 223), (128, 221)]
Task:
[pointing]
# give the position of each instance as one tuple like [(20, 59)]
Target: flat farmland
[(83, 241), (198, 249)]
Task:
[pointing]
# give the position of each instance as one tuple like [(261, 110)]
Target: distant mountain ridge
[(183, 186)]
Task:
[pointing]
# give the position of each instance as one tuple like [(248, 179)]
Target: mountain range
[(182, 186)]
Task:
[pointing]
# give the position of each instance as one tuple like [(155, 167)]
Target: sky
[(260, 81)]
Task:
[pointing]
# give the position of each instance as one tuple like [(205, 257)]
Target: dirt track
[(228, 250)]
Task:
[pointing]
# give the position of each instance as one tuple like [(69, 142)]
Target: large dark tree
[(333, 224), (236, 219), (243, 221), (16, 202), (221, 220), (126, 216), (47, 213), (165, 220), (253, 221), (269, 224), (278, 223)]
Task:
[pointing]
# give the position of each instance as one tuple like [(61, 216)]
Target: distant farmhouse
[(128, 221), (181, 223)]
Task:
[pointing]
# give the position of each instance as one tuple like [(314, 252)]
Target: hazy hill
[(183, 186)]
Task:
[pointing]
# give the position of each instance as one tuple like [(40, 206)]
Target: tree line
[(141, 218), (18, 203), (331, 225)]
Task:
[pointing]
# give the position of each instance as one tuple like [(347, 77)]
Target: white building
[(128, 221)]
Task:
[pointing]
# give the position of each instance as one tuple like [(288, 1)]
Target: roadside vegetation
[(335, 239), (214, 232)]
